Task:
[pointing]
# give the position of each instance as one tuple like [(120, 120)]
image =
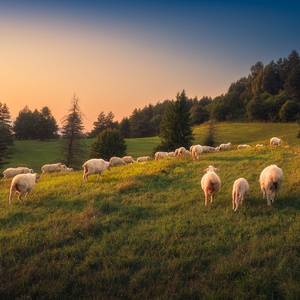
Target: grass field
[(143, 231)]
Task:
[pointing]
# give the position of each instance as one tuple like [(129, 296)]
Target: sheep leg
[(212, 198), (20, 197), (205, 198), (99, 175)]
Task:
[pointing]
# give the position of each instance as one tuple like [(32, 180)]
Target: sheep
[(239, 147), (171, 154), (259, 145), (51, 168), (128, 160), (209, 149), (210, 183), (23, 184), (116, 161), (184, 152), (158, 155), (239, 191), (224, 147), (64, 168), (26, 170), (143, 159), (178, 151), (12, 172), (191, 149), (95, 166), (274, 141), (197, 150), (270, 180)]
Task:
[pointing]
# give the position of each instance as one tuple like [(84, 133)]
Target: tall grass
[(143, 232)]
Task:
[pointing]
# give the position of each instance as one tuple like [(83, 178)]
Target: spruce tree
[(73, 149), (176, 129)]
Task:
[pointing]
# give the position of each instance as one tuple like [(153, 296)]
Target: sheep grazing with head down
[(128, 160), (210, 183), (270, 180), (143, 159), (23, 184), (197, 151), (12, 172), (239, 191), (51, 168), (224, 147), (274, 141), (159, 155), (95, 166), (116, 161), (239, 147)]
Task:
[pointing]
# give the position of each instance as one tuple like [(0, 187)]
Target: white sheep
[(270, 180), (26, 170), (12, 172), (274, 141), (158, 155), (183, 152), (116, 161), (239, 147), (210, 183), (171, 154), (191, 149), (64, 168), (239, 192), (196, 151), (23, 184), (259, 145), (128, 160), (178, 151), (224, 147), (95, 166), (50, 168), (143, 159)]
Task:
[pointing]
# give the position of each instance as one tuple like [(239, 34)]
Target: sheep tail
[(13, 189)]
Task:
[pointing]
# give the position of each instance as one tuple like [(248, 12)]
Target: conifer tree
[(72, 146)]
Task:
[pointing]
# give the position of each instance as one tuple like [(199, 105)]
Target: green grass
[(143, 231)]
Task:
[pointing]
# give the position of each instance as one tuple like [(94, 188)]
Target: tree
[(289, 111), (72, 134), (103, 123), (209, 139), (125, 128), (24, 125), (176, 129), (292, 84), (108, 143), (6, 138)]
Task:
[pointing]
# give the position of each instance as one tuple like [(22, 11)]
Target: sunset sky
[(121, 55)]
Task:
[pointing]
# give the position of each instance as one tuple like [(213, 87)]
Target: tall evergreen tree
[(72, 146), (104, 122), (6, 138), (176, 129), (125, 128)]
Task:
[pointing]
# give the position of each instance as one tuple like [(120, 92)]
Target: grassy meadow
[(143, 231)]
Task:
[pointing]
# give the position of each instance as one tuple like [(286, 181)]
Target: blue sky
[(121, 55)]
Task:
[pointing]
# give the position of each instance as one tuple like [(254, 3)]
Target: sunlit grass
[(143, 232)]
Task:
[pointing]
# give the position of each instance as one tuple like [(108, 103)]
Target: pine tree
[(176, 129), (72, 146)]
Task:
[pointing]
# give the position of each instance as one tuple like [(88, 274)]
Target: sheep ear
[(206, 169), (216, 169)]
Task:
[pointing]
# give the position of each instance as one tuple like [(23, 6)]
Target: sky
[(120, 55)]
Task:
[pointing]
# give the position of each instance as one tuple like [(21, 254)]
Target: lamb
[(23, 184), (274, 141), (239, 191), (26, 170), (270, 180), (196, 151), (12, 172), (239, 147), (210, 183), (116, 161), (128, 160), (158, 155), (224, 147), (143, 159), (95, 166), (51, 168)]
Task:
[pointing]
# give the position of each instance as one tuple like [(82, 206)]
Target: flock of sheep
[(271, 177)]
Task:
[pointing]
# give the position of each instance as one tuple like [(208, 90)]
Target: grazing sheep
[(178, 151), (239, 191), (197, 150), (26, 170), (143, 159), (274, 141), (184, 152), (12, 172), (210, 183), (259, 145), (94, 166), (224, 147), (64, 168), (128, 160), (239, 147), (158, 155), (270, 180), (51, 168), (191, 149), (171, 154), (23, 184), (116, 161)]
